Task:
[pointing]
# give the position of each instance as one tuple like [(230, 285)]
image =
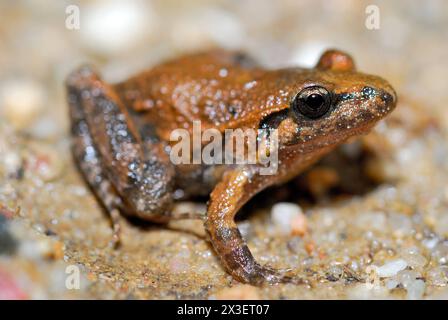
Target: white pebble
[(430, 243), (20, 102), (112, 27), (414, 259), (391, 268), (282, 214), (407, 277), (416, 290), (11, 161)]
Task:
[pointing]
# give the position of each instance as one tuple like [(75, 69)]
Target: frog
[(121, 136)]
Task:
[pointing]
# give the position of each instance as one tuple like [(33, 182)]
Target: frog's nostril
[(388, 96)]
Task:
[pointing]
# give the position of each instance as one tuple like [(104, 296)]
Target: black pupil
[(312, 102), (315, 101)]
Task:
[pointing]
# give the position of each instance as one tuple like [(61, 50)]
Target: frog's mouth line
[(331, 140), (342, 136)]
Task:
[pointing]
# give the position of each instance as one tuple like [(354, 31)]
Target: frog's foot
[(266, 274), (239, 261)]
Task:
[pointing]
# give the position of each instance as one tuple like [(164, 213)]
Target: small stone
[(414, 259), (406, 277), (416, 290), (11, 162), (440, 253), (391, 268), (288, 218), (299, 225), (20, 102), (438, 276), (430, 243), (112, 27)]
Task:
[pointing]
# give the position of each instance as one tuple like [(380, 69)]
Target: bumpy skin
[(121, 136)]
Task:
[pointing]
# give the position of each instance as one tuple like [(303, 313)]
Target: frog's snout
[(389, 101), (389, 97)]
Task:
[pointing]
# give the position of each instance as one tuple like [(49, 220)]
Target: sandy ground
[(371, 219)]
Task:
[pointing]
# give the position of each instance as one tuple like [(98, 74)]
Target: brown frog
[(121, 135)]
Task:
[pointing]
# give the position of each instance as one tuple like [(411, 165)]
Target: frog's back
[(216, 87)]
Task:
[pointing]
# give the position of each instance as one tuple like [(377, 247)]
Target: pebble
[(20, 102), (391, 268), (440, 253), (410, 281), (112, 27), (414, 258), (288, 219), (11, 161), (416, 290), (438, 276), (430, 243), (407, 277)]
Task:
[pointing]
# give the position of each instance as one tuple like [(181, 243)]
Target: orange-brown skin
[(121, 135)]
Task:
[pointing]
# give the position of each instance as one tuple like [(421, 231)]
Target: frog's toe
[(266, 274)]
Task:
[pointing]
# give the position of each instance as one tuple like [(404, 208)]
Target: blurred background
[(41, 44), (49, 219)]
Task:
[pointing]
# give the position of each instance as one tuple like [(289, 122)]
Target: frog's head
[(333, 102)]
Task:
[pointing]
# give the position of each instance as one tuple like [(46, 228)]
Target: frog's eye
[(312, 102)]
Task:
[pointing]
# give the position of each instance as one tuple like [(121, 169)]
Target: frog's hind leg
[(141, 173), (87, 158)]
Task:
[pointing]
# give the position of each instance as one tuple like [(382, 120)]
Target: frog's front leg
[(236, 188), (141, 173)]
